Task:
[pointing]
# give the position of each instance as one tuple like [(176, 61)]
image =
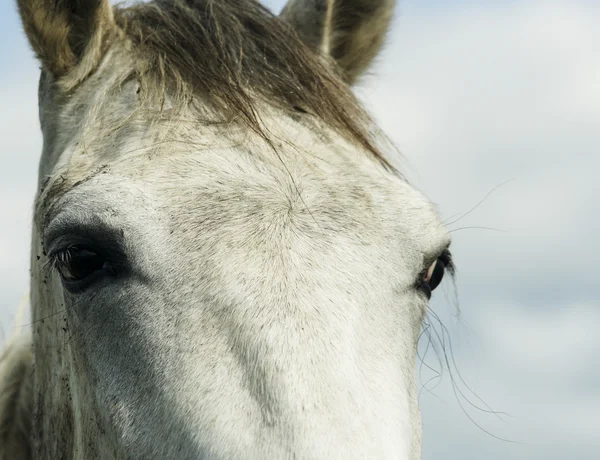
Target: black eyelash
[(446, 258), (62, 256)]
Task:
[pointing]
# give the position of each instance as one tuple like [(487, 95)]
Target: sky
[(495, 103)]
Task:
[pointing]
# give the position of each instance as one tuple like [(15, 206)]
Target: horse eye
[(77, 264), (434, 275)]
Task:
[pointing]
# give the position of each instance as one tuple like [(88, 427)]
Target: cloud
[(20, 146), (535, 367)]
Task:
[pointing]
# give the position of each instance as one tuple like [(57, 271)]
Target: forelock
[(237, 56)]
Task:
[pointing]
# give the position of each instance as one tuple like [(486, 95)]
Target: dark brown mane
[(235, 53)]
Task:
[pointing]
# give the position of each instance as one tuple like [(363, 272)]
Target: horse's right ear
[(67, 33)]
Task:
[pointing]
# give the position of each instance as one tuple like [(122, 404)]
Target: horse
[(224, 262)]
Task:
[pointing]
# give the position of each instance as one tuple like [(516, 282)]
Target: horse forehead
[(243, 197), (213, 177), (320, 172)]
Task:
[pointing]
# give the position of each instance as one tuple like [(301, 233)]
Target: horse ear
[(66, 33), (350, 31)]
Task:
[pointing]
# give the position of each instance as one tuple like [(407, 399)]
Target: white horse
[(224, 265)]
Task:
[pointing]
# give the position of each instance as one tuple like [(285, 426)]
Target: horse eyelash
[(446, 258), (56, 257)]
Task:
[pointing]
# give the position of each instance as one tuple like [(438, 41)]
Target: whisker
[(476, 227), (479, 203)]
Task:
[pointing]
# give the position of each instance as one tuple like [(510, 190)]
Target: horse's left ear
[(66, 34), (350, 31)]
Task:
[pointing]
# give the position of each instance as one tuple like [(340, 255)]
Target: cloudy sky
[(478, 95)]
